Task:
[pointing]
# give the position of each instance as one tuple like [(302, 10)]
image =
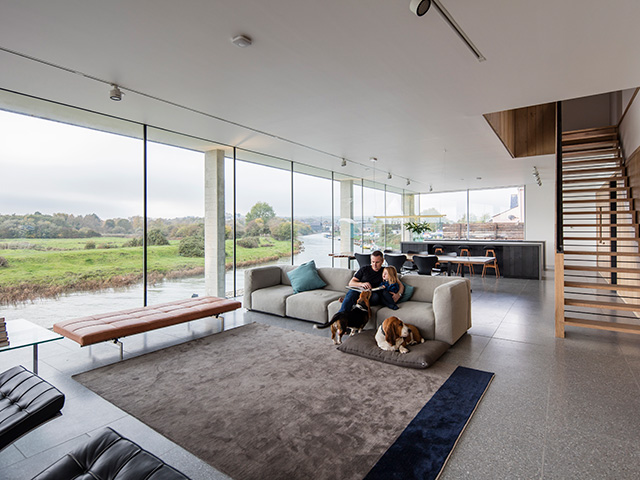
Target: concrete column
[(408, 208), (214, 259), (346, 219)]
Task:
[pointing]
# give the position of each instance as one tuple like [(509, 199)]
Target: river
[(46, 312)]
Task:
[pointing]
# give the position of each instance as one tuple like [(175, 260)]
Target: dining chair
[(396, 260), (363, 259), (425, 263)]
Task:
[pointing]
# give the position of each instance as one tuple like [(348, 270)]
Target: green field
[(43, 267)]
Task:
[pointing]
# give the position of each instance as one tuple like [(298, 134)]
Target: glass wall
[(475, 214), (393, 226), (263, 211), (496, 214), (312, 198), (70, 202), (73, 213), (373, 206), (446, 213)]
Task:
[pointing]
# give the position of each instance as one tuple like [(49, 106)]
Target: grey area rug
[(261, 402)]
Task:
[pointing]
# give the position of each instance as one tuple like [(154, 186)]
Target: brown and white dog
[(395, 335), (354, 320)]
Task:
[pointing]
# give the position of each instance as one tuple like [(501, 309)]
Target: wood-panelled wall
[(527, 131)]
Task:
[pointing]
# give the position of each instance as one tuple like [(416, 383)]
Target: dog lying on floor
[(395, 335), (354, 320)]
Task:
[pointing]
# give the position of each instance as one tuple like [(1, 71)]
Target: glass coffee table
[(23, 333)]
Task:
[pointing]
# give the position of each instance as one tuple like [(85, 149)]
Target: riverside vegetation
[(108, 254)]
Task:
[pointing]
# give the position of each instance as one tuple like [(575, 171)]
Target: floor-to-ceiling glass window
[(175, 215), (373, 211), (263, 208), (446, 214), (70, 204), (312, 191), (358, 216), (496, 214), (393, 221)]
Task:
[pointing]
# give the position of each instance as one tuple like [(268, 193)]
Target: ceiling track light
[(115, 94), (373, 159), (420, 7), (344, 162), (536, 175), (408, 182), (389, 176)]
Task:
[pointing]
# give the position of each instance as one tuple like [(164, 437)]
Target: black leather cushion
[(109, 456), (26, 401)]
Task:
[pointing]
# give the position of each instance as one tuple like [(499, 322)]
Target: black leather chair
[(395, 260), (363, 259), (425, 263), (109, 456), (26, 401)]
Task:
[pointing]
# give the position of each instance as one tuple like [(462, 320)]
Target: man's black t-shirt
[(368, 274)]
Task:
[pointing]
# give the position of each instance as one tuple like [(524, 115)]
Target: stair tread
[(595, 190), (601, 286), (602, 254), (602, 325), (592, 153), (585, 268), (599, 212), (609, 239), (599, 200), (601, 225), (600, 304), (618, 178), (594, 171)]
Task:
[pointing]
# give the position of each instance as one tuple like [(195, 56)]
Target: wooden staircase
[(598, 264)]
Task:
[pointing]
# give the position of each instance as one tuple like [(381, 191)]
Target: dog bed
[(422, 355)]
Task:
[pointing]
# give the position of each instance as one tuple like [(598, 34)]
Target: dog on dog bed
[(395, 335), (354, 320)]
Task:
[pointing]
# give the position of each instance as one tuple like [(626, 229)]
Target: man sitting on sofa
[(369, 276)]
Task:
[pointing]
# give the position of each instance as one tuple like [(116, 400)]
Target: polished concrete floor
[(557, 408)]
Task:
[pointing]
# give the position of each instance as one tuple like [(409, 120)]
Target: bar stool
[(464, 252), (438, 250), (489, 251)]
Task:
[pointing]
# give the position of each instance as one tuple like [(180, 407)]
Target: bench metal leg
[(119, 343)]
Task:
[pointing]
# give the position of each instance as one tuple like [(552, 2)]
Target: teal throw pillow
[(406, 295), (305, 277)]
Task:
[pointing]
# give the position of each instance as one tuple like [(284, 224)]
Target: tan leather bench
[(114, 325)]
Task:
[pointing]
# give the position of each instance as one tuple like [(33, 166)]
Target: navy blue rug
[(424, 447)]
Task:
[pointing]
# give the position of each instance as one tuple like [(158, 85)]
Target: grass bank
[(43, 268)]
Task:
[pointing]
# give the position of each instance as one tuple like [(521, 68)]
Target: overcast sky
[(54, 167)]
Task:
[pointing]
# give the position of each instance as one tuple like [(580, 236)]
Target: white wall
[(630, 128), (540, 216)]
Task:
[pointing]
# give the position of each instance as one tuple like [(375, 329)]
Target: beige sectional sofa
[(440, 306)]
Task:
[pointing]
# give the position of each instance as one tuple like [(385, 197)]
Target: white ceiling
[(330, 79)]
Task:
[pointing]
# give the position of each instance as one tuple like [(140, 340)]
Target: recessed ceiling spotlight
[(344, 162), (373, 159), (478, 178), (420, 7), (115, 94), (241, 41)]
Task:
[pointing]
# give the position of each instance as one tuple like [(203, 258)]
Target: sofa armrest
[(257, 278), (452, 310)]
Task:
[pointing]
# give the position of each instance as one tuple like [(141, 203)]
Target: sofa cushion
[(419, 314), (336, 278), (312, 305), (271, 299), (422, 355), (408, 292), (305, 278)]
